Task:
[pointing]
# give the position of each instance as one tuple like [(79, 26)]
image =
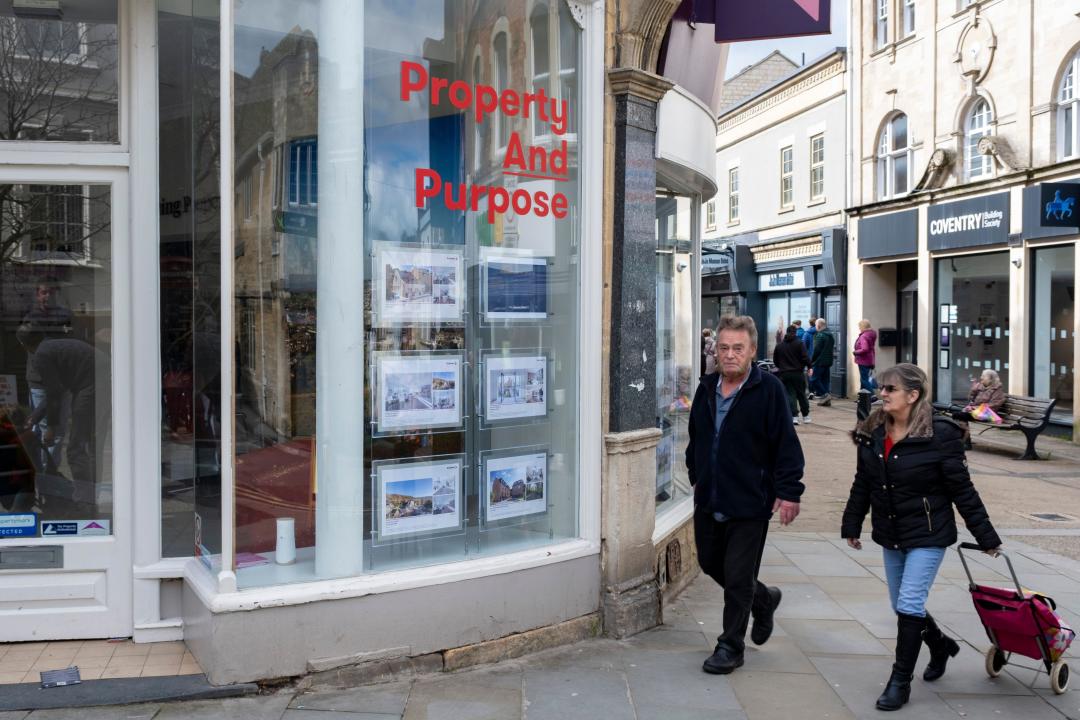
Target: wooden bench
[(1027, 414)]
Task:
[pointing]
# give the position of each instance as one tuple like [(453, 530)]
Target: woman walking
[(911, 470), (791, 361), (866, 355)]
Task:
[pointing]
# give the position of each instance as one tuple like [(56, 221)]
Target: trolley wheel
[(1059, 677), (995, 660)]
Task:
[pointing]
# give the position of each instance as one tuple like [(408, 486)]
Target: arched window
[(894, 158), (541, 61), (976, 127), (502, 82), (1068, 143)]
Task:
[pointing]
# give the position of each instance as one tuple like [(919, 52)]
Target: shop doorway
[(834, 318), (907, 312)]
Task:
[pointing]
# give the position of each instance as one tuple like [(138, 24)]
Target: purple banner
[(740, 20)]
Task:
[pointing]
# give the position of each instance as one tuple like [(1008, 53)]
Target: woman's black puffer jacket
[(911, 494)]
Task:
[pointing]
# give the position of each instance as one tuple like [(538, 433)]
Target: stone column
[(631, 597)]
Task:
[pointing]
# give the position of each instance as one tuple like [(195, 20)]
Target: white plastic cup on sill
[(285, 553)]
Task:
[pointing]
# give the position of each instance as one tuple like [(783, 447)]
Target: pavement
[(829, 656)]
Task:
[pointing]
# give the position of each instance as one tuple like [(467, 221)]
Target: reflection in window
[(894, 158), (1068, 143), (541, 68), (59, 78), (502, 82), (1053, 367), (976, 127)]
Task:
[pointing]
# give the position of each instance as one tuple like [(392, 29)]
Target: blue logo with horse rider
[(1060, 208)]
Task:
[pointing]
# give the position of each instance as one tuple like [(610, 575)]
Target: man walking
[(808, 340), (745, 462), (821, 360)]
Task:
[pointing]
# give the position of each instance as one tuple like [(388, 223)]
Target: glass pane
[(675, 381), (1053, 365), (55, 384), (190, 258), (900, 167), (1068, 131), (466, 307), (899, 132), (59, 79), (975, 289), (779, 319)]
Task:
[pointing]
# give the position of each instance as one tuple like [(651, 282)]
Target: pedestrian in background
[(910, 472), (866, 355), (986, 390), (708, 351), (745, 463), (791, 363), (808, 340), (799, 332), (821, 361)]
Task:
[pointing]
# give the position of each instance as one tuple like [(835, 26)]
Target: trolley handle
[(971, 581)]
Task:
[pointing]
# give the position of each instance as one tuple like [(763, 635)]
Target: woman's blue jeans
[(865, 381), (911, 574)]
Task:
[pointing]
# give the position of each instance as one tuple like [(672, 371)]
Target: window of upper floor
[(978, 123), (710, 215), (907, 9), (787, 178), (817, 168), (733, 195), (894, 158), (1068, 105), (881, 23)]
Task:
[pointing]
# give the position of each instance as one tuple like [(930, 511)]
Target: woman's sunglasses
[(889, 388)]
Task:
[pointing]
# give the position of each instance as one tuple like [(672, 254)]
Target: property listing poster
[(417, 391), (515, 486), (515, 387), (515, 288), (419, 497), (418, 286)]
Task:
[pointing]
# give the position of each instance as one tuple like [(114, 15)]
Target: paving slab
[(467, 696), (772, 574), (388, 698), (577, 695), (834, 637), (1067, 704), (807, 600), (873, 612), (828, 565), (125, 712), (266, 707), (676, 680), (773, 696), (781, 654), (859, 682), (995, 707), (336, 715), (670, 640), (838, 587), (597, 654), (966, 675)]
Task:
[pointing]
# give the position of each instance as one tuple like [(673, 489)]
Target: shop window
[(881, 23), (977, 125), (787, 177), (459, 437), (894, 158), (675, 346), (733, 195), (1068, 137), (60, 76), (817, 167), (710, 215), (909, 17), (1053, 313), (972, 323)]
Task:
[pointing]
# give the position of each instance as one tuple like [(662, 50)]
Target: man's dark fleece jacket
[(758, 457)]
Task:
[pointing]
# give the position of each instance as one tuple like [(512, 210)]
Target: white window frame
[(787, 177), (886, 157), (1068, 107), (501, 124), (733, 195), (881, 24), (540, 129), (817, 168), (477, 70), (907, 10), (710, 215), (978, 123)]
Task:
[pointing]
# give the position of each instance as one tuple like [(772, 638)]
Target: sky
[(747, 53)]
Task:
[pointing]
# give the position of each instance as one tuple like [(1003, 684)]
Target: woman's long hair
[(909, 377)]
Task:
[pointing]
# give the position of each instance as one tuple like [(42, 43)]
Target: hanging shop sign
[(1059, 205), (979, 221), (520, 160)]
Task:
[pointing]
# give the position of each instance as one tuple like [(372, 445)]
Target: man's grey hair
[(821, 324), (743, 323)]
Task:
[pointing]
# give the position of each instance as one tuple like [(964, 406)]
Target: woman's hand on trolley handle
[(993, 552)]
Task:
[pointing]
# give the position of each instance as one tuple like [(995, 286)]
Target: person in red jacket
[(866, 355)]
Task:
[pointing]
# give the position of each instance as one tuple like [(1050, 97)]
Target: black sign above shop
[(1059, 205), (889, 235), (967, 223)]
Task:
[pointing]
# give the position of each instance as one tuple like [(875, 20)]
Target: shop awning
[(739, 20)]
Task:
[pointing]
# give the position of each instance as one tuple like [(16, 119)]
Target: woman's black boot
[(942, 647), (909, 630)]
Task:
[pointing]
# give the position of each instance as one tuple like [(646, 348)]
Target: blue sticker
[(18, 525), (59, 528)]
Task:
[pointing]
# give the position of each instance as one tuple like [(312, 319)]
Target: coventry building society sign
[(979, 221)]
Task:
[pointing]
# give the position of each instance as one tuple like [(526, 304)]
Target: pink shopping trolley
[(1020, 622)]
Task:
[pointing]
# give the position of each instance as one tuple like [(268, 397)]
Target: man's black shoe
[(722, 661), (763, 624)]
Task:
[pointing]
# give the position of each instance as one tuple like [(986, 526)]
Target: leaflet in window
[(514, 387), (514, 486), (418, 498), (414, 391), (514, 287), (418, 286)]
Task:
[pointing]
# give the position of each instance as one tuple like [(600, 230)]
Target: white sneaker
[(795, 419), (806, 420)]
